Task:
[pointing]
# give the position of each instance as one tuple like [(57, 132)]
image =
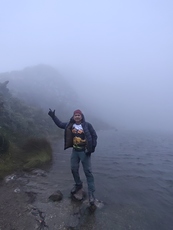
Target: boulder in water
[(79, 195)]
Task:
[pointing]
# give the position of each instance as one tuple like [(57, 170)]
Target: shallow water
[(133, 172), (133, 176)]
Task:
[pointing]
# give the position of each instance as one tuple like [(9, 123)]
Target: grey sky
[(122, 51)]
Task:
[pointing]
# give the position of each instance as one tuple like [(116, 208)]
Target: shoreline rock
[(24, 200)]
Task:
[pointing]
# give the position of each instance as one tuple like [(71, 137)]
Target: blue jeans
[(76, 157)]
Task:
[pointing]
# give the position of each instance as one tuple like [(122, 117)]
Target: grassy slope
[(24, 134)]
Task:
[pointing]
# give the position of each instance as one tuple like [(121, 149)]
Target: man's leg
[(75, 171), (86, 163)]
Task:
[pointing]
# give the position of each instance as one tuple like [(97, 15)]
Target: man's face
[(77, 117)]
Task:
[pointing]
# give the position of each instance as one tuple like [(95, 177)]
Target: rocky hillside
[(24, 134), (18, 121)]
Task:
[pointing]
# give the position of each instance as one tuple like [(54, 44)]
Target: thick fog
[(118, 55)]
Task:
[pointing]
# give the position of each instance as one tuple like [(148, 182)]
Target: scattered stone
[(56, 196), (23, 180), (10, 178), (99, 204), (17, 190), (80, 195), (39, 172)]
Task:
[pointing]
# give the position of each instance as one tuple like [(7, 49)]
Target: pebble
[(17, 190), (10, 178)]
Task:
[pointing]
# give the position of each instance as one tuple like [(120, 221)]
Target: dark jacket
[(90, 133)]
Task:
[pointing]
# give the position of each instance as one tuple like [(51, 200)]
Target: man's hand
[(93, 149), (51, 113)]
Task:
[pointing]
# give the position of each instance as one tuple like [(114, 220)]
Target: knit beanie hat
[(77, 111)]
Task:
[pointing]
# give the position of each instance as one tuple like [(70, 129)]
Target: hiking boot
[(76, 188), (91, 198)]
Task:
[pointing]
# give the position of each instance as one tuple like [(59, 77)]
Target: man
[(81, 136)]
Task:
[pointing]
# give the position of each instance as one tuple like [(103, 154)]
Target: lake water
[(136, 170), (133, 176)]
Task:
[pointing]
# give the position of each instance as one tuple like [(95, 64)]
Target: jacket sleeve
[(93, 134), (60, 124)]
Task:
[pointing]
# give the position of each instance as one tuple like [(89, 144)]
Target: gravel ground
[(15, 212), (23, 209)]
